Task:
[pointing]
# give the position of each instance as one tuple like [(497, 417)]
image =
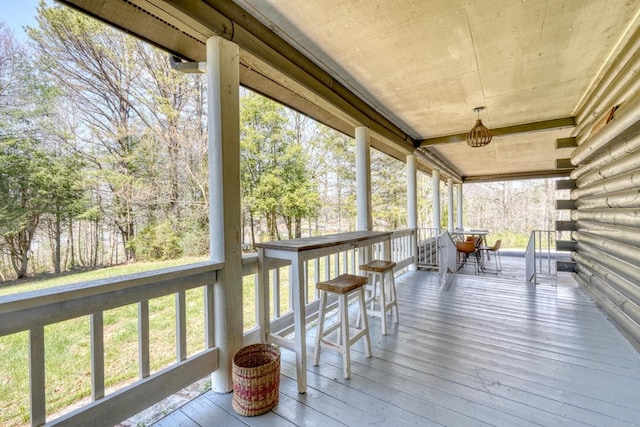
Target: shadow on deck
[(488, 350)]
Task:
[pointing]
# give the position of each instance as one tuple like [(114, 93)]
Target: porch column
[(435, 179), (412, 208), (459, 211), (224, 206), (450, 204), (363, 179)]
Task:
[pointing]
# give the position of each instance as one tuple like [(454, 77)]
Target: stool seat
[(386, 297), (378, 266), (342, 284)]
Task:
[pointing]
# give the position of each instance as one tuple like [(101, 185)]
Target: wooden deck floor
[(485, 351)]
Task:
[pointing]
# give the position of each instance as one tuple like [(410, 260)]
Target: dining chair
[(475, 239), (467, 251), (495, 249)]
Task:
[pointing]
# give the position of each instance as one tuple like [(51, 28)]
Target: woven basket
[(256, 379)]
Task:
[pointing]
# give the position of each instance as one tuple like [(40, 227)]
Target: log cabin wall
[(607, 193)]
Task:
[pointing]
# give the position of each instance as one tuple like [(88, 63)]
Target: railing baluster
[(336, 263), (316, 275), (345, 261), (97, 355), (540, 248), (353, 261), (275, 287), (290, 308), (305, 273), (209, 318), (181, 326), (549, 252), (36, 376), (327, 267), (143, 339)]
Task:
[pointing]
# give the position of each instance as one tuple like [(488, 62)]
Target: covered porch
[(484, 351), (469, 350)]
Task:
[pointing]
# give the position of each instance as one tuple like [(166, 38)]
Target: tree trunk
[(96, 243), (298, 232), (289, 223), (173, 170), (253, 232), (58, 232), (72, 263)]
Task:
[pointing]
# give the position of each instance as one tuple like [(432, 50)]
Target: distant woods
[(103, 157)]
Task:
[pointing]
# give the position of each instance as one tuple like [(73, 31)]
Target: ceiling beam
[(551, 173), (565, 122), (564, 164), (566, 142)]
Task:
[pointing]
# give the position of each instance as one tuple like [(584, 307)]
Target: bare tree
[(96, 67)]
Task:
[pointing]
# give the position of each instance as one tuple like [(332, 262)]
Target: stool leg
[(374, 286), (392, 285), (320, 327), (339, 321), (383, 305), (365, 323), (344, 332), (359, 318)]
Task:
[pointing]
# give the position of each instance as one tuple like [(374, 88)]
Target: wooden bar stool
[(387, 297), (344, 286)]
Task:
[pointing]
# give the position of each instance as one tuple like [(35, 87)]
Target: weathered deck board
[(485, 351)]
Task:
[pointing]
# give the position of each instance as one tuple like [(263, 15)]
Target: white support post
[(459, 211), (224, 202), (363, 179), (435, 179), (450, 204), (412, 208)]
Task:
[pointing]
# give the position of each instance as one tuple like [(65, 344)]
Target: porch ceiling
[(419, 66)]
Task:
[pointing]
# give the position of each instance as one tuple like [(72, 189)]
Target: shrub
[(156, 242)]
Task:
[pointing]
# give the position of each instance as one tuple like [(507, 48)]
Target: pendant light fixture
[(479, 135)]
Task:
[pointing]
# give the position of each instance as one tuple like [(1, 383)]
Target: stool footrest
[(354, 335)]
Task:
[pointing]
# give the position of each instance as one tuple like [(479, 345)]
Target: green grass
[(68, 345), (510, 239)]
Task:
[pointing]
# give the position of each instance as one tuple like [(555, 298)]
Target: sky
[(17, 14)]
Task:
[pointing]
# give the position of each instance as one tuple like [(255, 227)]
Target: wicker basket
[(256, 379)]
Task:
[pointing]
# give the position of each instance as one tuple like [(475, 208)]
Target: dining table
[(481, 233), (297, 252), (477, 232)]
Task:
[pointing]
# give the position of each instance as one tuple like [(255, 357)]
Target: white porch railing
[(447, 258), (428, 247), (402, 248), (33, 311), (540, 256)]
